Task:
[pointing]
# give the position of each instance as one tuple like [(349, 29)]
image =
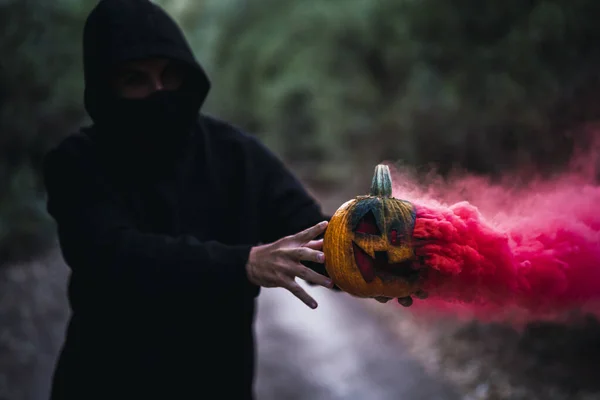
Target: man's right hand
[(278, 264)]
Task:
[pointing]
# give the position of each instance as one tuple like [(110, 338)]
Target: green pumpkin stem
[(381, 186)]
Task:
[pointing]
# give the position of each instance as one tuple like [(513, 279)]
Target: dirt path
[(339, 351), (33, 313)]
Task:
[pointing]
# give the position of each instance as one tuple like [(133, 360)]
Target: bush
[(40, 92), (332, 86), (480, 85)]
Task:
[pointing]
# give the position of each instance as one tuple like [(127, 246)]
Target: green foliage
[(40, 92), (306, 80), (332, 86), (479, 84), (518, 67), (25, 227), (41, 81)]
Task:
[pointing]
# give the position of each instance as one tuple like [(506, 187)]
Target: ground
[(339, 351), (346, 349), (540, 361)]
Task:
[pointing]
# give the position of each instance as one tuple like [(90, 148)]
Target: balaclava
[(155, 128)]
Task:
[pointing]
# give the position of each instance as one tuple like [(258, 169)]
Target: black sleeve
[(287, 206), (96, 234)]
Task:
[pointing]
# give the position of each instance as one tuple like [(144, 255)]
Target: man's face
[(140, 78)]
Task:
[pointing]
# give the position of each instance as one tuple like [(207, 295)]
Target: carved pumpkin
[(367, 245)]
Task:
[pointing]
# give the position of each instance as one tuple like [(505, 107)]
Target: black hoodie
[(161, 304)]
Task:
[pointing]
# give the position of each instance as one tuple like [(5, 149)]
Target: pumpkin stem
[(381, 186)]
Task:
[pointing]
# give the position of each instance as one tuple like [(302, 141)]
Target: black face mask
[(157, 126), (164, 118), (151, 133)]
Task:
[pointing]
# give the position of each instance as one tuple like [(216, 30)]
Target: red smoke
[(496, 247)]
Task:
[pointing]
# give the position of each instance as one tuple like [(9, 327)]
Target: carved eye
[(367, 225)]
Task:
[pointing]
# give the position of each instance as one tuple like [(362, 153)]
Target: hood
[(117, 31)]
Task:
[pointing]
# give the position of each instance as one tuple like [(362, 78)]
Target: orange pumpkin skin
[(367, 244)]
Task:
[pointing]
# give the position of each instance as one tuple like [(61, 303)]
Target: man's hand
[(278, 264), (404, 301)]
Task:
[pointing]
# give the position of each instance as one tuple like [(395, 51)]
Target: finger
[(315, 244), (311, 276), (304, 254), (405, 301), (382, 299), (300, 293), (308, 234)]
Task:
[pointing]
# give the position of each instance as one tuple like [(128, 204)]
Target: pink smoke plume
[(531, 247)]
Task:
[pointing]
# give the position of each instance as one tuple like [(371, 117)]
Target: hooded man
[(170, 222), (162, 214)]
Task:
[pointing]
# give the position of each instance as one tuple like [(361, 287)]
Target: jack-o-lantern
[(368, 247)]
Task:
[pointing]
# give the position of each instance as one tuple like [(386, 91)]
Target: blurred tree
[(332, 86), (521, 69), (482, 85), (40, 96), (308, 77)]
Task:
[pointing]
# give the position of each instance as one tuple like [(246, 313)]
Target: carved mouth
[(379, 267)]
